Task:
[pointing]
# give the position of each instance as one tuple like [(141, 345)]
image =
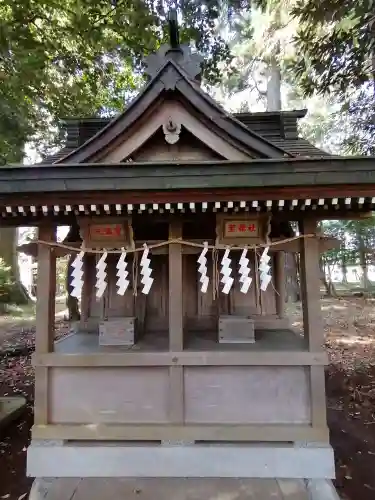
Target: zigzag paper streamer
[(101, 275), (202, 270), (264, 269), (122, 274), (244, 272), (226, 271), (77, 275), (146, 271)]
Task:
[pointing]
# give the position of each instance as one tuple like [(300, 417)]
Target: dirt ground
[(350, 380)]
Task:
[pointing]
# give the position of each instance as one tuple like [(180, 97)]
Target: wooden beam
[(88, 287), (176, 394), (176, 339), (280, 286), (46, 292), (318, 397), (183, 358), (312, 318), (45, 319), (310, 286), (176, 332), (194, 195), (167, 432), (41, 395)]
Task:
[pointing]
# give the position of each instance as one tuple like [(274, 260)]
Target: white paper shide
[(244, 271), (226, 271), (77, 275), (122, 274), (202, 269), (146, 271), (264, 269), (101, 275)]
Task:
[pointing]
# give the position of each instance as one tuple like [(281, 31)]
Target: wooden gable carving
[(168, 122), (170, 104)]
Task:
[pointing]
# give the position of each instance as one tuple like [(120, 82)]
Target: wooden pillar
[(310, 286), (45, 318), (176, 334), (280, 283), (87, 289), (312, 318), (46, 292), (176, 337)]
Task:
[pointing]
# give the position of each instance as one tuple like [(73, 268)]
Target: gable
[(187, 148), (188, 138), (172, 91)]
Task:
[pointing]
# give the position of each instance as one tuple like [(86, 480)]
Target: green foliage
[(356, 122), (334, 55), (7, 284), (83, 57), (358, 240), (336, 44)]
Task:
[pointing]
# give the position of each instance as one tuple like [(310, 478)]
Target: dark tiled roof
[(279, 128), (299, 147)]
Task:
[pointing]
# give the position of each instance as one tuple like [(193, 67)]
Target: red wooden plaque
[(241, 229), (106, 232)]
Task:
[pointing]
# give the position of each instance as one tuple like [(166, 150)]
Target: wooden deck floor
[(170, 489), (266, 340)]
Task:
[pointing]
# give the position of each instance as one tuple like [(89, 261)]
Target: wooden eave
[(273, 173), (172, 82), (330, 187)]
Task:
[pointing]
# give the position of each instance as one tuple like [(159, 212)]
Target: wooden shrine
[(183, 362)]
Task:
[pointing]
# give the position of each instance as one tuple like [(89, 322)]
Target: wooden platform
[(181, 489), (266, 340)]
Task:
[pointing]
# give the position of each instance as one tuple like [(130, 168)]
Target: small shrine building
[(183, 362)]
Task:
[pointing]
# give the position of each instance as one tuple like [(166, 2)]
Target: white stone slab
[(180, 489), (205, 461)]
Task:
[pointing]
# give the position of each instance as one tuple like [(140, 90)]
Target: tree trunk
[(344, 270), (292, 281), (274, 70), (8, 252), (363, 262), (327, 282), (274, 86)]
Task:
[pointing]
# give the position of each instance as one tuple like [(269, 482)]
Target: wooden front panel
[(108, 395), (118, 305), (246, 395), (240, 303), (201, 311), (156, 314)]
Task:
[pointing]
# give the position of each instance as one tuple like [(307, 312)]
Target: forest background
[(84, 58)]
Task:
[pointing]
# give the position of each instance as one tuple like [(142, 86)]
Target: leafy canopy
[(82, 57), (337, 42)]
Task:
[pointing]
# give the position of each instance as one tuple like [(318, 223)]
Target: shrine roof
[(172, 83), (280, 128), (166, 176)]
